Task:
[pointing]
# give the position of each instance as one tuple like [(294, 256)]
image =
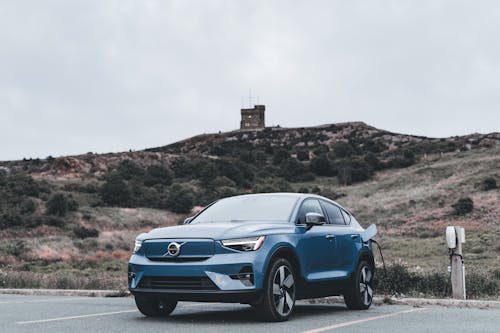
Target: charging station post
[(455, 237)]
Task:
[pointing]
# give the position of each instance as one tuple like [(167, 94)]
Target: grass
[(411, 207)]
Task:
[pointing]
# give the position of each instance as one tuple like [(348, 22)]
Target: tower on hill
[(253, 118)]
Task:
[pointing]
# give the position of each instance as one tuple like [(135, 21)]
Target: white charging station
[(455, 237)]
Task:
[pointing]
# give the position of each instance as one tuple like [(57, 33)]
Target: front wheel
[(278, 300), (359, 296), (154, 307)]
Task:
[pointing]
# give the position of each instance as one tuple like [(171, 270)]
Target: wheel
[(154, 307), (278, 299), (360, 294)]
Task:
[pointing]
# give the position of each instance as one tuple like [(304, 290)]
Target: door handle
[(354, 236), (330, 236)]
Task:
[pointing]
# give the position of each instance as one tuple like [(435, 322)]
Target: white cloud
[(112, 75)]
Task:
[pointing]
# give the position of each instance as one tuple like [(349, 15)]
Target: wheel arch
[(368, 256), (287, 253)]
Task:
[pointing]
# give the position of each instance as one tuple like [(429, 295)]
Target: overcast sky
[(103, 76)]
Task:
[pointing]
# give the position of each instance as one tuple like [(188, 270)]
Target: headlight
[(244, 244), (137, 246)]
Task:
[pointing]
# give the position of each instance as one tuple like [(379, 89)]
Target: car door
[(316, 245), (347, 241)]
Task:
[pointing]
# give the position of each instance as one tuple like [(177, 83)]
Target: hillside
[(64, 219)]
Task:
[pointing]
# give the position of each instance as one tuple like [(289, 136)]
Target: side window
[(308, 206), (347, 217), (334, 213)]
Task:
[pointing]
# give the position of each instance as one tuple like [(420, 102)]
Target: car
[(265, 250)]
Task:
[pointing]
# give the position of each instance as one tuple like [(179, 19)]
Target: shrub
[(489, 184), (20, 184), (83, 232), (463, 206), (353, 170), (303, 189), (303, 155), (321, 166), (179, 199), (342, 150), (293, 170), (272, 185), (27, 206), (59, 204), (157, 174), (129, 169), (279, 156), (8, 220), (115, 192)]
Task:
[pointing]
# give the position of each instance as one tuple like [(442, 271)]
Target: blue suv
[(266, 250)]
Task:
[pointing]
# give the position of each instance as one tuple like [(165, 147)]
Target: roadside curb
[(417, 302), (66, 292), (377, 300)]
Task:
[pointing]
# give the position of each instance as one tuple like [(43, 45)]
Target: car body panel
[(324, 254)]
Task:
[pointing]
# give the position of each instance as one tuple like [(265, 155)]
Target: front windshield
[(252, 208)]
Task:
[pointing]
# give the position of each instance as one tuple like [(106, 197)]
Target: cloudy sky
[(102, 76)]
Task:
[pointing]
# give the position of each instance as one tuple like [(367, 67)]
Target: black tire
[(155, 307), (278, 299), (359, 296)]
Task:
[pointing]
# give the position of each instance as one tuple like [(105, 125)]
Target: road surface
[(87, 314)]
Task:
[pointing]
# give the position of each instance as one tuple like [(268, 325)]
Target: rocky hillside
[(69, 217)]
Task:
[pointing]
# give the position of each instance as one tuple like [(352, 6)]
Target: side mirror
[(313, 219), (188, 220)]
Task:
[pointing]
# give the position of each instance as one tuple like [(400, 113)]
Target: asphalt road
[(87, 314)]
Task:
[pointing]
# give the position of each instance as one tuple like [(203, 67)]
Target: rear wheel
[(359, 296), (154, 307), (278, 300)]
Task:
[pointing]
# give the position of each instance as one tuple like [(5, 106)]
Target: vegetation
[(66, 220), (463, 206)]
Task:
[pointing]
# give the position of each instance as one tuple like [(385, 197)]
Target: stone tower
[(253, 118)]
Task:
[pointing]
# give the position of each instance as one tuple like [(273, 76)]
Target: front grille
[(178, 259), (177, 283)]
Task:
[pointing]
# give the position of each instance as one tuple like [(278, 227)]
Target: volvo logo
[(173, 249)]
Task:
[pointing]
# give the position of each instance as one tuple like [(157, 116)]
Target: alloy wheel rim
[(283, 290), (365, 285)]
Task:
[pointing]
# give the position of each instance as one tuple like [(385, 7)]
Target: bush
[(272, 185), (157, 174), (128, 169), (83, 232), (489, 184), (179, 199), (294, 171), (279, 156), (321, 166), (115, 192), (342, 150), (463, 206), (59, 204), (353, 170), (303, 155), (8, 220)]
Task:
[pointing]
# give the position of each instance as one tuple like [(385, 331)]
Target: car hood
[(218, 231)]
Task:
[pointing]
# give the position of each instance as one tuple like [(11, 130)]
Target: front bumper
[(224, 276)]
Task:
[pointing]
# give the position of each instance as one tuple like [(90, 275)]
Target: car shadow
[(239, 314)]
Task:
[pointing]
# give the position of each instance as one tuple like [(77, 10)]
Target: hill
[(62, 220)]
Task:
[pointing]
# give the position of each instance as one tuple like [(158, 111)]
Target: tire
[(359, 296), (154, 307), (278, 299)]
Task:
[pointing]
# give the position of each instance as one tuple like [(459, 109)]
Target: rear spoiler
[(369, 233)]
